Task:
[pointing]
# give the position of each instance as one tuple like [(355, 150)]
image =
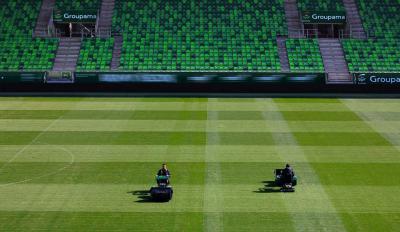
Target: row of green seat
[(27, 54), (95, 54), (320, 5), (372, 55), (304, 55), (206, 35), (380, 17), (18, 17), (78, 5), (18, 51)]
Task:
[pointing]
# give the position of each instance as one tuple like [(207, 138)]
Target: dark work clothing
[(288, 174), (163, 172)]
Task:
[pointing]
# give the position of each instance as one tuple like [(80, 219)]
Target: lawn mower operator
[(164, 171), (288, 174)]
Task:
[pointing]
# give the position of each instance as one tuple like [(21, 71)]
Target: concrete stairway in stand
[(105, 18), (293, 19), (334, 61), (67, 54), (116, 58), (42, 23), (283, 57), (354, 19)]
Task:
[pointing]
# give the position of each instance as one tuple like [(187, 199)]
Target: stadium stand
[(321, 5), (380, 17), (18, 51), (95, 54), (27, 54), (380, 53), (304, 55), (206, 35), (81, 4), (18, 17), (372, 55)]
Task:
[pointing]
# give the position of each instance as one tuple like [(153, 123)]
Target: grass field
[(73, 164)]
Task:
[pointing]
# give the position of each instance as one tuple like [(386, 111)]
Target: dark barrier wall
[(200, 77), (21, 77)]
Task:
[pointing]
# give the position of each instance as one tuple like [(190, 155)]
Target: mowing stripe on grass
[(194, 125), (213, 199), (166, 106), (126, 114), (372, 117), (189, 138), (195, 153), (321, 199), (33, 141)]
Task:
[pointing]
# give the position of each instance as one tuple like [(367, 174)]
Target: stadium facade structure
[(252, 41)]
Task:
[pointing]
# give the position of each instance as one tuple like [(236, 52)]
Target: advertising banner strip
[(324, 17), (387, 79), (201, 77), (75, 16), (21, 77)]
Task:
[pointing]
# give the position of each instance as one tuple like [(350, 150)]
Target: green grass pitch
[(73, 164)]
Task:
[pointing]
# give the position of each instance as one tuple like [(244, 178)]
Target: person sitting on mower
[(163, 172), (288, 174)]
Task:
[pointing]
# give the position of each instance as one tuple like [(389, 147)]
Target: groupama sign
[(75, 16), (324, 17), (377, 78)]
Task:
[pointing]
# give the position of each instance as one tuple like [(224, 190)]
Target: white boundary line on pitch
[(47, 174), (29, 144)]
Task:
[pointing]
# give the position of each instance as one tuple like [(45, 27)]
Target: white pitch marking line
[(213, 199), (47, 174)]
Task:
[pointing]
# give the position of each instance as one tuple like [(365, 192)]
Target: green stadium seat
[(18, 51), (207, 35), (81, 4), (380, 17), (320, 5), (95, 54), (372, 55), (304, 55)]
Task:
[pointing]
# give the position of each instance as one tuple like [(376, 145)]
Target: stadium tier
[(380, 17), (320, 5), (372, 55), (304, 55), (95, 54), (27, 54), (18, 51), (18, 18), (78, 5), (191, 35), (206, 35)]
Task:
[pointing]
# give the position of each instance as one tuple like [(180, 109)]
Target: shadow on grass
[(142, 195), (269, 183), (269, 187)]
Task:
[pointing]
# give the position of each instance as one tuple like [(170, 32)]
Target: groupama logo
[(382, 78), (324, 17), (362, 79), (79, 16), (328, 17)]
